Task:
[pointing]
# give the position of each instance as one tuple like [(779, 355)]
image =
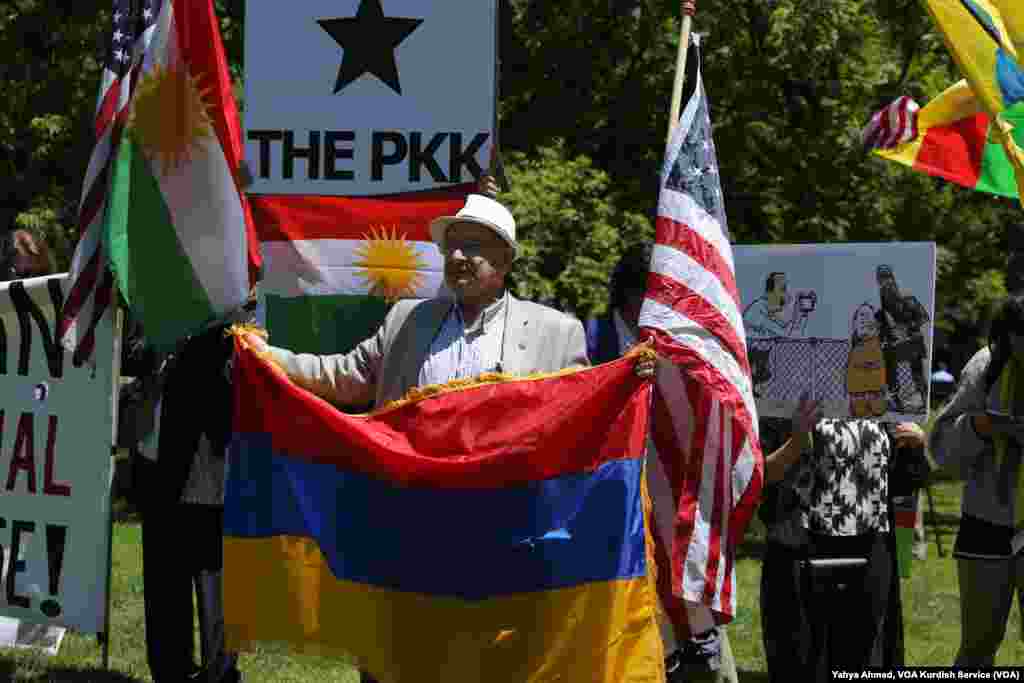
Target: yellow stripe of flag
[(975, 32)]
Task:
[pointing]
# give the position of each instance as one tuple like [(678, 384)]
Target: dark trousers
[(182, 555), (814, 621)]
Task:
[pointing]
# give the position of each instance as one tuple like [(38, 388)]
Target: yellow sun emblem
[(169, 117), (392, 268)]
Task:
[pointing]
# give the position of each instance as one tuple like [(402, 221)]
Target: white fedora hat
[(482, 211)]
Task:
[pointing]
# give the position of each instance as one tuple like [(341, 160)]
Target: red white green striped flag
[(175, 224), (332, 265)]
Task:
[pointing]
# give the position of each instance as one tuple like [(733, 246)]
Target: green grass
[(931, 616), (931, 599), (79, 660)]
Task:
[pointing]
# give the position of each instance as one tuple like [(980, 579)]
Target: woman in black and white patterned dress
[(828, 497)]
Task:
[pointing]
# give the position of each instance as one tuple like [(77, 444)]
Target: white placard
[(368, 97), (817, 323), (55, 465)]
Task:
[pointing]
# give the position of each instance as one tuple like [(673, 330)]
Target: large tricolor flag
[(492, 533), (704, 419), (173, 228), (980, 42), (332, 265)]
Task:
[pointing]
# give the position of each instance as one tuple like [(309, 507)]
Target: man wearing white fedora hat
[(479, 326)]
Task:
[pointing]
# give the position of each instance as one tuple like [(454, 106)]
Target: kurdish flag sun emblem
[(389, 264)]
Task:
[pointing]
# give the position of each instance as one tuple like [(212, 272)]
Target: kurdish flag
[(493, 533), (956, 142), (332, 265), (175, 225), (980, 42)]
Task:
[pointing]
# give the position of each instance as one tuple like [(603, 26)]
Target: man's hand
[(487, 186), (909, 434), (255, 342), (645, 366)]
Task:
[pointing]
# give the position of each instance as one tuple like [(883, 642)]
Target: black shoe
[(701, 654), (232, 675), (674, 672)]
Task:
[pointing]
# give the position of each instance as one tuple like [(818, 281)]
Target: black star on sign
[(369, 40)]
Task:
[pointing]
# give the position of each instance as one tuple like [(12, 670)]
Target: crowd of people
[(830, 590)]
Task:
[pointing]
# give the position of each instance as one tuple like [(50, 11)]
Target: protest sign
[(366, 97), (55, 466), (849, 325)]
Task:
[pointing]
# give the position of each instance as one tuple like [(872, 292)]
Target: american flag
[(892, 126), (709, 468), (91, 282)]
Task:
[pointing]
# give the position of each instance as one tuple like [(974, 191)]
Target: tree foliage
[(584, 114)]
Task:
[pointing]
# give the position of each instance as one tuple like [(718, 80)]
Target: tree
[(570, 229), (51, 60), (584, 114)]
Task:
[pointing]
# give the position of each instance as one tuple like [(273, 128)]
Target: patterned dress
[(832, 503), (841, 488)]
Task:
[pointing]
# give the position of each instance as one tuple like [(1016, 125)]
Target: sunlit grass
[(931, 616)]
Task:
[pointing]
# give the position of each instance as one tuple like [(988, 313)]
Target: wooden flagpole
[(497, 169), (689, 8)]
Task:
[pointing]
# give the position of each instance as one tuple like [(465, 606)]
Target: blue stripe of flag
[(469, 544)]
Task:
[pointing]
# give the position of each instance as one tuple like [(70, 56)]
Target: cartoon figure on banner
[(865, 366), (767, 318), (902, 325)]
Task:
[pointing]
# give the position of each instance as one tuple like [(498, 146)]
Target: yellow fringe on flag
[(416, 394)]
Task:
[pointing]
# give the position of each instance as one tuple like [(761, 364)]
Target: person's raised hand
[(645, 366), (487, 186), (805, 416), (255, 342), (909, 434)]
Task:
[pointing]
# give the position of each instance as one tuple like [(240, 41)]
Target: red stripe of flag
[(107, 108), (101, 300), (610, 394), (284, 218), (79, 293), (885, 129), (674, 607), (726, 461), (665, 440), (687, 465), (901, 122), (679, 235), (680, 298)]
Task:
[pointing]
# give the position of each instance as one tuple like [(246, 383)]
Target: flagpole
[(495, 169), (689, 8)]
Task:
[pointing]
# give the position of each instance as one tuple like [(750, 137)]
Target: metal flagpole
[(118, 324), (689, 8), (497, 169)]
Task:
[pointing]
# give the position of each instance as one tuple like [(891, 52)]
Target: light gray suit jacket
[(385, 366)]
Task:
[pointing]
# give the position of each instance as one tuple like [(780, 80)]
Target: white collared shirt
[(458, 352)]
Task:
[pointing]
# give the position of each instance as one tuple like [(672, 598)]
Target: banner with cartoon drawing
[(849, 325)]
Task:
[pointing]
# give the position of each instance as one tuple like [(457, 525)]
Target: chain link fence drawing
[(786, 368)]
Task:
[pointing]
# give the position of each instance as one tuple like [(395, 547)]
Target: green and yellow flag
[(980, 34)]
